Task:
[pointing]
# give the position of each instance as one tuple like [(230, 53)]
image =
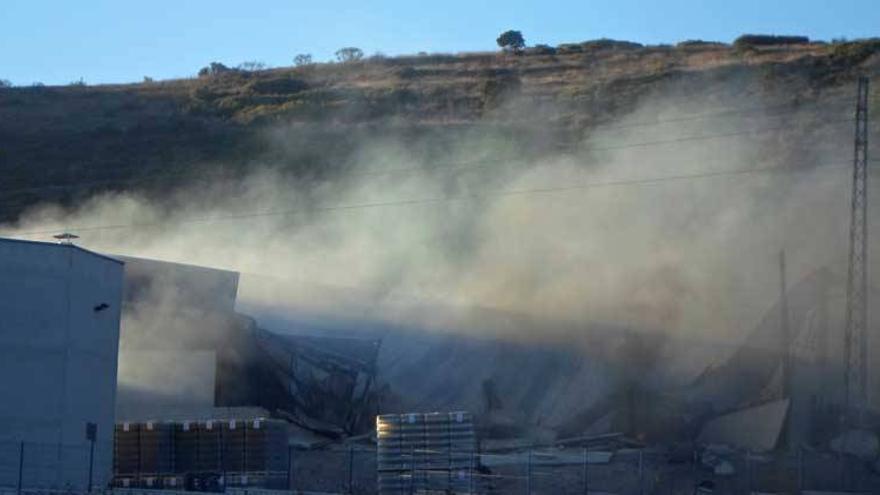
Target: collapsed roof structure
[(332, 374), (215, 357)]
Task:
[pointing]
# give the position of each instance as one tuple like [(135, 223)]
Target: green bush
[(540, 50), (215, 69), (854, 52), (512, 41), (499, 87), (281, 85), (302, 59), (751, 40), (609, 44), (252, 66), (699, 44), (568, 48), (407, 72), (349, 54)]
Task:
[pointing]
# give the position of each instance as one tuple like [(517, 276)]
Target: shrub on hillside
[(302, 59), (349, 54), (751, 40), (699, 44), (5, 83), (499, 87), (568, 48), (407, 72), (281, 85), (540, 50), (511, 41), (854, 52), (216, 68), (609, 44), (423, 58), (252, 66)]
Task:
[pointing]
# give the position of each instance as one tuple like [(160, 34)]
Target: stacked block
[(425, 453)]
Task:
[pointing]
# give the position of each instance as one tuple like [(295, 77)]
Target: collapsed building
[(184, 351), (331, 370), (191, 361), (575, 380)]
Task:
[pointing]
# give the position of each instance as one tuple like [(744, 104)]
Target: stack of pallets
[(426, 453)]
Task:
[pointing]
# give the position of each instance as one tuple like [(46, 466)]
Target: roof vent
[(65, 238)]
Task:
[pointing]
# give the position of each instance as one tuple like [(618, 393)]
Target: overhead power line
[(777, 110), (707, 136), (439, 199), (470, 165)]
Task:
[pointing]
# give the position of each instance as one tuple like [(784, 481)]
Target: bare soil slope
[(65, 143)]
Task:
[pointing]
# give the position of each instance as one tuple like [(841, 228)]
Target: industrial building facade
[(59, 339)]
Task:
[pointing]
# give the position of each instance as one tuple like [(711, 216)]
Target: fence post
[(471, 475), (586, 472), (290, 484), (801, 469), (641, 471), (412, 470), (222, 458), (749, 472), (20, 466), (529, 473), (350, 469), (91, 463)]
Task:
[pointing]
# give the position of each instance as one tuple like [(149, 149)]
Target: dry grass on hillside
[(108, 134)]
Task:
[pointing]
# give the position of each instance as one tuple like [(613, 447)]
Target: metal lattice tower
[(857, 279)]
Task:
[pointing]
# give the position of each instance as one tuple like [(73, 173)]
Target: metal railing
[(56, 470), (29, 467)]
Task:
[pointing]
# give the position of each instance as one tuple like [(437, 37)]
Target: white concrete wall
[(58, 359)]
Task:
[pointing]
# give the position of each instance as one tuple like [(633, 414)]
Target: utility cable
[(434, 200), (451, 166)]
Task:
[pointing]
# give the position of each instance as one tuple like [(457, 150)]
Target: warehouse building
[(59, 338)]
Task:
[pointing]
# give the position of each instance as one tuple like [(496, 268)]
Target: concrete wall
[(59, 338)]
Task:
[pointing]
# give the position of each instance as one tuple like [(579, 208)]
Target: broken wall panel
[(757, 429), (323, 384)]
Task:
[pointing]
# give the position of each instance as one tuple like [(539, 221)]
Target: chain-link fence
[(39, 468), (29, 467), (580, 471)]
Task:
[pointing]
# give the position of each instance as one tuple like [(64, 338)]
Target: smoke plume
[(659, 221)]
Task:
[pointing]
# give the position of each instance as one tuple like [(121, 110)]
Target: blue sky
[(101, 41)]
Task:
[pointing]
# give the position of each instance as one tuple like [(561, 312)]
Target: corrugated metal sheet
[(757, 428)]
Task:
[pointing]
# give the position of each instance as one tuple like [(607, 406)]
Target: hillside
[(308, 121)]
